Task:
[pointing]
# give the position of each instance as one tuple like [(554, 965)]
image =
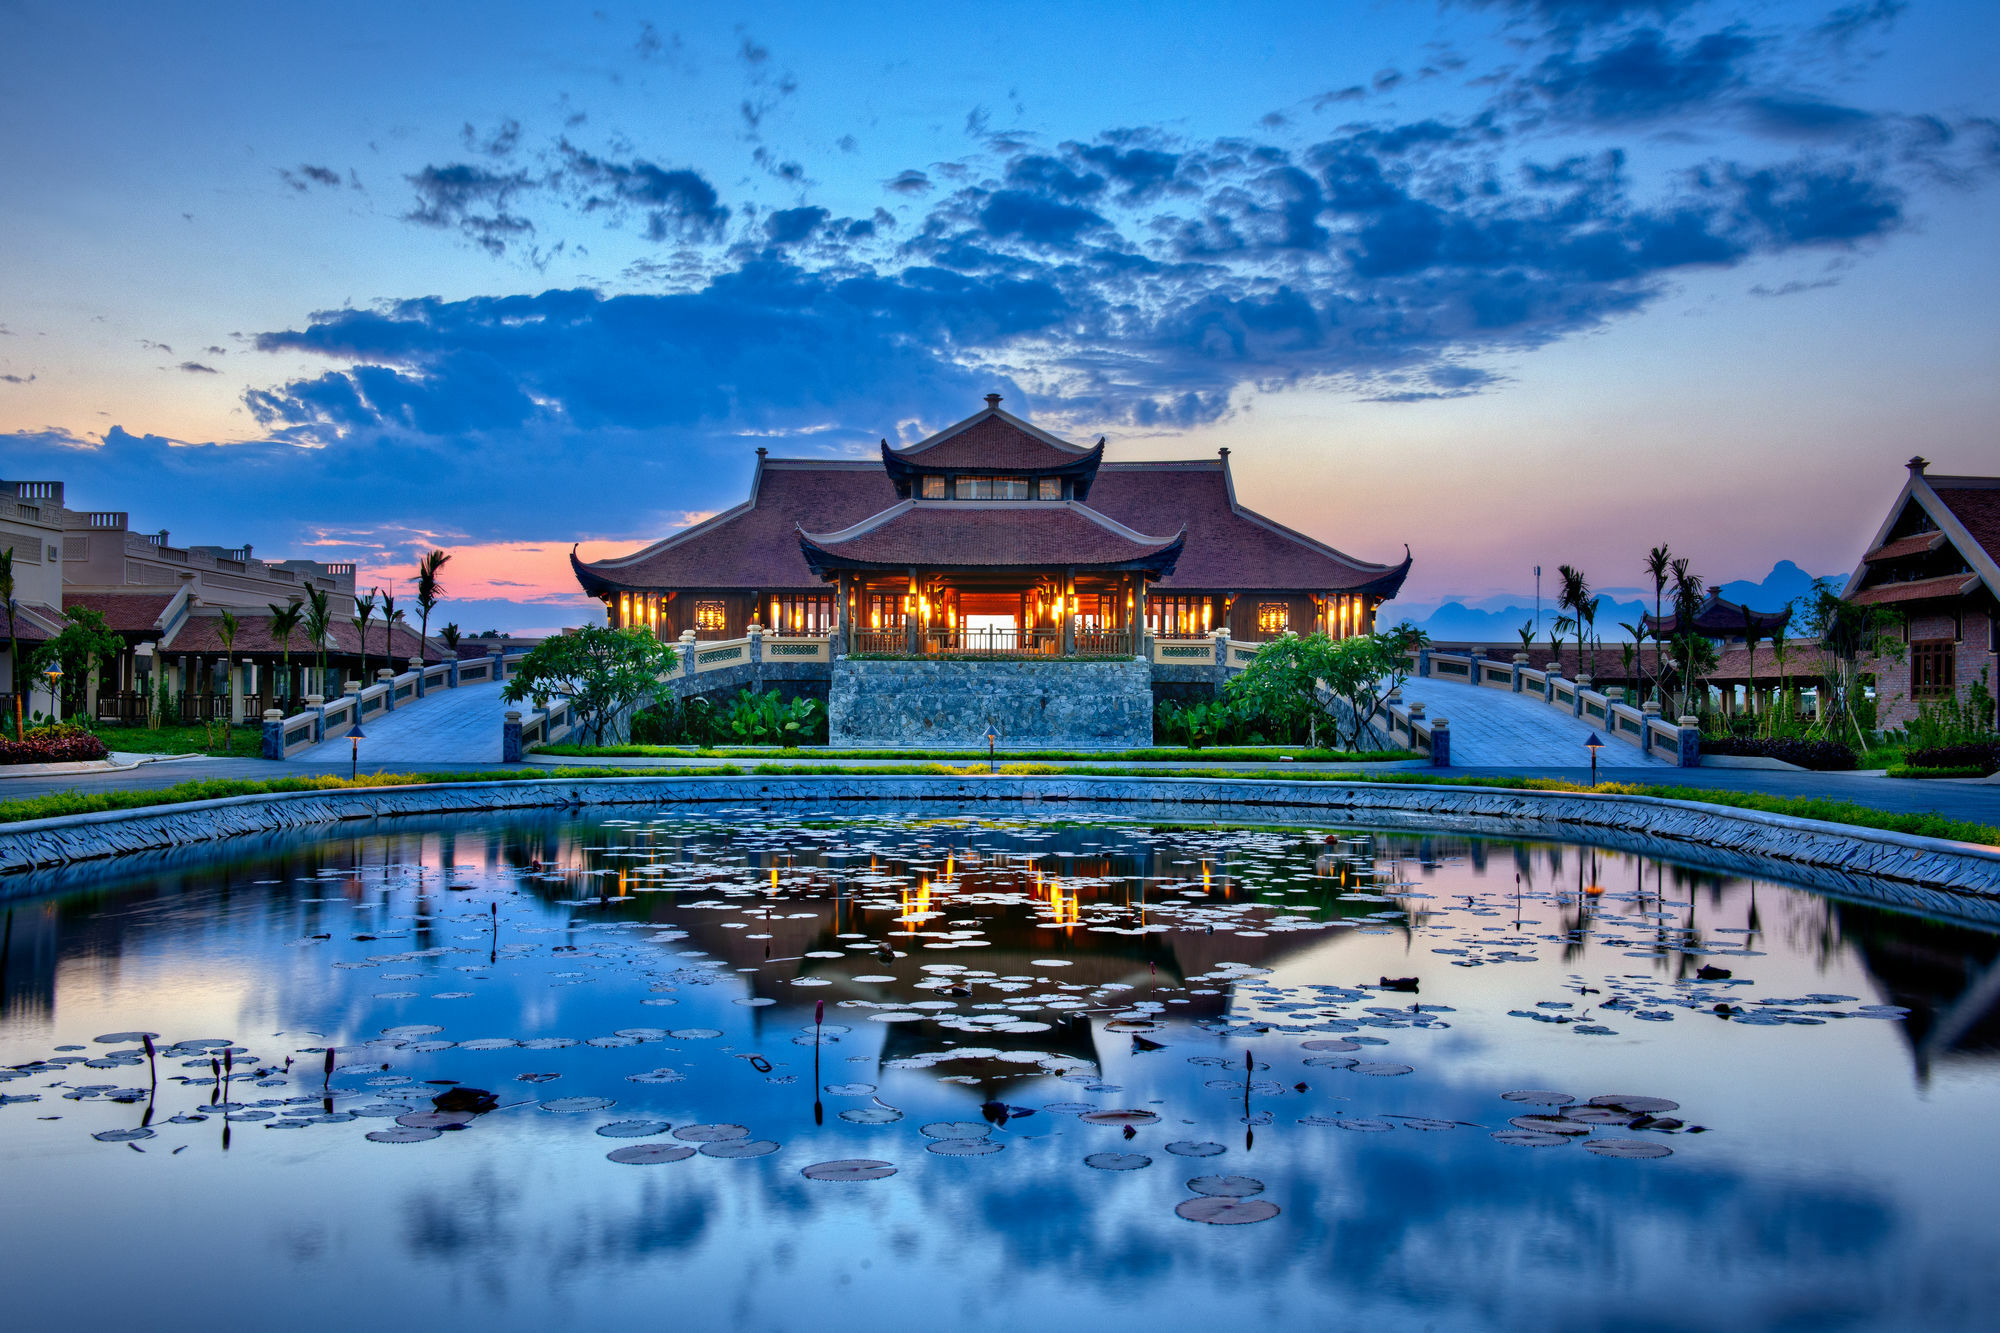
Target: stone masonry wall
[(950, 704)]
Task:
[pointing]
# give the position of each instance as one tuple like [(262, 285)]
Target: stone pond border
[(1930, 863)]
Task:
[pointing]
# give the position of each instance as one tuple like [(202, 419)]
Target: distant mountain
[(1455, 621)]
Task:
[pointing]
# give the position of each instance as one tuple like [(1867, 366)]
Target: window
[(992, 488), (1178, 617), (804, 613), (1273, 617), (710, 617), (933, 488), (1048, 488), (885, 610), (1933, 669)]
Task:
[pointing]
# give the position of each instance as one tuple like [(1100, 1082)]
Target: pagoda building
[(992, 537)]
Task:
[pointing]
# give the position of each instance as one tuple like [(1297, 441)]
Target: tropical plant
[(603, 672), (765, 717), (284, 623), (318, 619), (364, 611), (450, 635), (1527, 635), (1847, 632), (429, 590), (225, 630), (83, 645)]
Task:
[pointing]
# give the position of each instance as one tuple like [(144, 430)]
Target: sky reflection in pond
[(1477, 1084)]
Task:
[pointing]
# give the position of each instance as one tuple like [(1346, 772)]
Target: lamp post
[(55, 675), (355, 737), (992, 739), (1594, 744)]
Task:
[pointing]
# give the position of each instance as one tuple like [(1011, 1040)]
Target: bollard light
[(992, 739), (354, 762), (1594, 744)]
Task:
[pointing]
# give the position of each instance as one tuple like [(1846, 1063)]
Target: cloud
[(908, 182), (1850, 22), (678, 203), (17, 379), (1568, 16), (1807, 117), (501, 141), (471, 200), (197, 368), (1643, 76), (308, 176)]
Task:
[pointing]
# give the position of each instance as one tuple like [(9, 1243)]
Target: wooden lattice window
[(933, 488), (1048, 488), (992, 488), (1933, 668), (808, 613), (1274, 617), (710, 617)]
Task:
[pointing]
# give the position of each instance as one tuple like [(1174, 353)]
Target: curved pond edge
[(1930, 863)]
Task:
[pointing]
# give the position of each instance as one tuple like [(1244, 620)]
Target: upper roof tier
[(1020, 535), (1720, 618), (994, 443)]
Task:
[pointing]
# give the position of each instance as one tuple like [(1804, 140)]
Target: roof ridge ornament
[(992, 402)]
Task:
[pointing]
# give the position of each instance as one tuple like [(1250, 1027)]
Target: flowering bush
[(58, 744)]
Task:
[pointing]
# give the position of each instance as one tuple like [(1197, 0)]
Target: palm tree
[(318, 617), (1573, 598), (1658, 561), (389, 617), (429, 590), (1752, 631), (364, 611), (1527, 634), (226, 631), (13, 644), (1688, 589), (450, 635), (284, 624)]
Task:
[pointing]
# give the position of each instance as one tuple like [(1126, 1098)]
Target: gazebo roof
[(989, 535), (1720, 618)]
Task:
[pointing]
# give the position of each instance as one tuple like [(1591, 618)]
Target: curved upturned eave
[(1159, 561)]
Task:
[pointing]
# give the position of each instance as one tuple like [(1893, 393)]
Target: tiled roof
[(1229, 548), (1011, 535), (755, 545), (1918, 590), (1977, 507), (992, 439), (123, 612), (201, 635), (33, 623), (1918, 544), (1721, 618)]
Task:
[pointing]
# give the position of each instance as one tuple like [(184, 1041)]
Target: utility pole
[(1538, 601)]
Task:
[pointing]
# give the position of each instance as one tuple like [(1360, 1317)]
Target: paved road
[(453, 726), (1960, 800), (1499, 727)]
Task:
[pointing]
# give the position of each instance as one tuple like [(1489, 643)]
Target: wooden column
[(1069, 613), (1139, 612), (911, 629)]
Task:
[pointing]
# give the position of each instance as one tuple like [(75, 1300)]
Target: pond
[(884, 1071)]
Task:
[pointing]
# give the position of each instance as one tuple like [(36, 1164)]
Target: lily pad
[(710, 1133), (1227, 1187), (571, 1105), (634, 1129), (1195, 1148), (1118, 1161), (401, 1134), (963, 1147), (1630, 1148), (957, 1129), (739, 1148), (1125, 1116), (649, 1154), (849, 1169), (1219, 1211)]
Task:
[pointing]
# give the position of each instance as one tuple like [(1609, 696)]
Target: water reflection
[(1832, 1065)]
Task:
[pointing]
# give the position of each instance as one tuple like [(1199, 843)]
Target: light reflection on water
[(1840, 1178)]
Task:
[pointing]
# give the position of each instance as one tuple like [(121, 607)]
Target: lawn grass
[(246, 739), (1150, 754), (1801, 807)]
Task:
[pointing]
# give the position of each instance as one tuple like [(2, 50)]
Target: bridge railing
[(1606, 710)]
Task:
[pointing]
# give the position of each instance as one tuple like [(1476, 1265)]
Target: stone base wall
[(949, 705)]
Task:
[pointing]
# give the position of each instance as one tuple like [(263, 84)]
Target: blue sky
[(1513, 281)]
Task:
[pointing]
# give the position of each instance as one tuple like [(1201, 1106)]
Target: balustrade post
[(1520, 666), (451, 672), (755, 633), (1441, 743), (510, 737), (387, 677), (316, 704), (1689, 755), (417, 665), (499, 656), (274, 734)]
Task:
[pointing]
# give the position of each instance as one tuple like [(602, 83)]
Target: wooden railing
[(998, 643)]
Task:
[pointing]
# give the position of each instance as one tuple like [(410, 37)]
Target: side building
[(1935, 561)]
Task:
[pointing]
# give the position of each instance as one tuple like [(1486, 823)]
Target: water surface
[(677, 1018)]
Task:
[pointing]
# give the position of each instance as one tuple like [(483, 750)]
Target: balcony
[(997, 644)]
